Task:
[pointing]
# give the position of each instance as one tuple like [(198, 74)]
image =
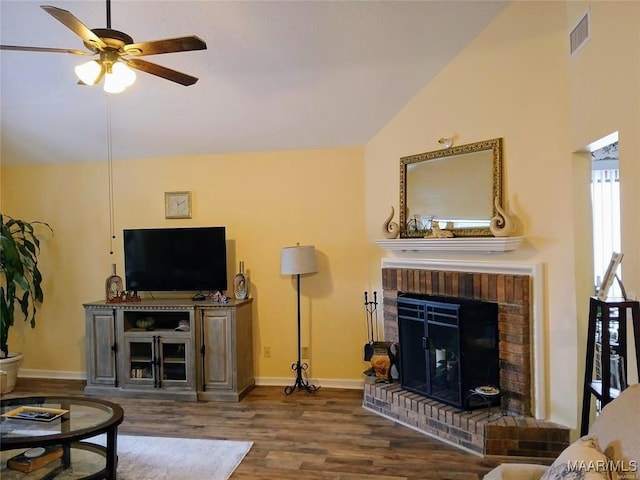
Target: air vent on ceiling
[(580, 34)]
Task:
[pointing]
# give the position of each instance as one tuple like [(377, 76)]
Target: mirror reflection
[(451, 192)]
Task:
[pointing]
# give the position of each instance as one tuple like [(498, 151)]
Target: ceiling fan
[(114, 49)]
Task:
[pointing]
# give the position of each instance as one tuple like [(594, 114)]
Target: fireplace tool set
[(382, 355)]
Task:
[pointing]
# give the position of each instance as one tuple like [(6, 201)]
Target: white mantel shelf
[(459, 244)]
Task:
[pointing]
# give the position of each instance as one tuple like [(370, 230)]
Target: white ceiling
[(275, 76)]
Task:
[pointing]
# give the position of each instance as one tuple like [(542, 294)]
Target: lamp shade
[(89, 72), (298, 260)]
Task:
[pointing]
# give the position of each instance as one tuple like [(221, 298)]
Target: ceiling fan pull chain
[(112, 224)]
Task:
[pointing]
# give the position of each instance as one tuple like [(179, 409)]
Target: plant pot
[(10, 366)]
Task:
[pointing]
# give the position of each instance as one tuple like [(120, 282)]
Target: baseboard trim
[(51, 374), (349, 384)]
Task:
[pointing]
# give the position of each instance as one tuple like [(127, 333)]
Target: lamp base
[(301, 383)]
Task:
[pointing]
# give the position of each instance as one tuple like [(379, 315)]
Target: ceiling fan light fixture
[(123, 73), (89, 73), (111, 84), (118, 77), (112, 46)]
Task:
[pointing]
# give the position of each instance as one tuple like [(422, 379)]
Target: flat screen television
[(175, 259)]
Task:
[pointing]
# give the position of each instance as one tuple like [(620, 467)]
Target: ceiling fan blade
[(168, 45), (160, 71), (79, 28), (45, 49)]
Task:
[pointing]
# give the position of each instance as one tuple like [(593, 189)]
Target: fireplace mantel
[(456, 244)]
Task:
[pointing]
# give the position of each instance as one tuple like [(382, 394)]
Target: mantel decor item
[(299, 260), (391, 229), (240, 284), (502, 224), (177, 205)]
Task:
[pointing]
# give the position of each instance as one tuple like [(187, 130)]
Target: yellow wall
[(605, 98), (266, 201)]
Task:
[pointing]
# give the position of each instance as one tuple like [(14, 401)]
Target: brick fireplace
[(518, 426), (510, 292)]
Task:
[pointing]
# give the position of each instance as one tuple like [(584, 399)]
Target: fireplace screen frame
[(449, 348)]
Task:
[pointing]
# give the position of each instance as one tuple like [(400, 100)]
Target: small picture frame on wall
[(609, 275), (177, 204)]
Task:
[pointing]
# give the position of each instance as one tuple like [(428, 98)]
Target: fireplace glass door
[(448, 348), (444, 356)]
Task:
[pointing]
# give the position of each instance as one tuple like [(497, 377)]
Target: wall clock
[(177, 204)]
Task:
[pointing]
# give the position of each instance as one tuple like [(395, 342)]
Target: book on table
[(35, 458)]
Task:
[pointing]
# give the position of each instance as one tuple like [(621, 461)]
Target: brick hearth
[(507, 430), (482, 431)]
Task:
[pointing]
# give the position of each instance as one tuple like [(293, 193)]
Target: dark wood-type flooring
[(325, 435)]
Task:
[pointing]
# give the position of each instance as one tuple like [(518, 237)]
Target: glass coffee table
[(78, 433)]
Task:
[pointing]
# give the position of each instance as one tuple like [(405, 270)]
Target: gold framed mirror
[(456, 187)]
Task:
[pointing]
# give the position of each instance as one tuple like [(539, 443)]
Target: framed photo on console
[(609, 275)]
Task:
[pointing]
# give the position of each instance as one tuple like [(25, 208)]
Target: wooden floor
[(325, 435)]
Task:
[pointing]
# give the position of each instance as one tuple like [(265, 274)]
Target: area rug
[(159, 458), (164, 458)]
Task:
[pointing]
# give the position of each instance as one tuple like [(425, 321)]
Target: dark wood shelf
[(596, 389), (602, 314)]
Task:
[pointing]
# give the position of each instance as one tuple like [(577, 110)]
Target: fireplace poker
[(375, 312), (370, 310)]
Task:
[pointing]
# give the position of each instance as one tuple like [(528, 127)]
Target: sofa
[(611, 450)]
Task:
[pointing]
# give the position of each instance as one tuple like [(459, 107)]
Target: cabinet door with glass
[(159, 361), (175, 368), (142, 360)]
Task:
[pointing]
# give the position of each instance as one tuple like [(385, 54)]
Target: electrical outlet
[(305, 352), (267, 352)]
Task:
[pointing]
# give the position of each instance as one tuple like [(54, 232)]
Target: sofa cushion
[(516, 471), (617, 427), (582, 460)]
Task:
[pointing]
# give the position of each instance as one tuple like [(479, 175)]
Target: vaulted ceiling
[(276, 75)]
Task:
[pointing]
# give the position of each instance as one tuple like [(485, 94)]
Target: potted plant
[(20, 286)]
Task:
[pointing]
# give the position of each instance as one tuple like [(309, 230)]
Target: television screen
[(174, 259)]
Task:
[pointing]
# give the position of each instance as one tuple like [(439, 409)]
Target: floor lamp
[(297, 261)]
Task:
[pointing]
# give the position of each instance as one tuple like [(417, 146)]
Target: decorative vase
[(240, 284), (113, 285), (390, 229), (502, 225), (9, 371)]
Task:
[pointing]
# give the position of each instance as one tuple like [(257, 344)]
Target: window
[(605, 200)]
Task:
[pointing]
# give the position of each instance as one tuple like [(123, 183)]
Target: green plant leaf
[(20, 277)]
